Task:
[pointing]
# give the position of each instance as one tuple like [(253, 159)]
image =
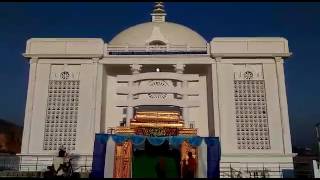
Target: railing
[(123, 50), (9, 163), (256, 170), (29, 163), (34, 166)]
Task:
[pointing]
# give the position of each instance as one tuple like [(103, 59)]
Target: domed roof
[(163, 32)]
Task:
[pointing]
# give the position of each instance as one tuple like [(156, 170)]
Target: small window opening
[(157, 43)]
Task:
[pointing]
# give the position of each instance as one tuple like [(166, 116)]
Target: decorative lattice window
[(62, 113), (251, 113), (158, 84)]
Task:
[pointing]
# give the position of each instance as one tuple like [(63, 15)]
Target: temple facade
[(161, 77)]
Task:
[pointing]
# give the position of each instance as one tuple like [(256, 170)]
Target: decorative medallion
[(248, 75), (65, 75)]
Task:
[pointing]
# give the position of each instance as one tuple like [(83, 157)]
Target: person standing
[(160, 168), (190, 168)]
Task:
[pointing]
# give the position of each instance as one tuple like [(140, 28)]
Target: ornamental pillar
[(179, 68), (29, 105), (283, 105), (135, 69)]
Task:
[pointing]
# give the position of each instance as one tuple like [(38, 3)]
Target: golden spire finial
[(158, 14), (158, 8)]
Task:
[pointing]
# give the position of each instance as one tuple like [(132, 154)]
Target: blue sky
[(298, 22)]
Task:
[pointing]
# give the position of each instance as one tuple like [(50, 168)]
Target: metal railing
[(256, 170), (34, 166), (30, 163), (152, 48)]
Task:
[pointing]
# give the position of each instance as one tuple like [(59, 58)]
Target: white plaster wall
[(67, 49), (194, 112), (257, 158), (65, 46), (86, 123), (228, 129), (249, 45), (273, 108), (86, 128), (103, 101), (215, 102), (200, 114), (29, 106), (39, 110), (113, 114), (98, 89), (227, 120)]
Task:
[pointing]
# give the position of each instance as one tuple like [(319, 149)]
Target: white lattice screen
[(62, 112), (251, 111)]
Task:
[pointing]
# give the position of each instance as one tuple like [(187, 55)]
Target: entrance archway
[(146, 159)]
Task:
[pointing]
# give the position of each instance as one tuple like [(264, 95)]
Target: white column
[(97, 87), (215, 96), (185, 110), (29, 105), (129, 107), (179, 68), (129, 112), (283, 105), (135, 69)]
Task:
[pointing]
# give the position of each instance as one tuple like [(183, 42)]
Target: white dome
[(169, 33)]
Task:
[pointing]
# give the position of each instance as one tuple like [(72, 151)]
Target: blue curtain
[(103, 138), (175, 141), (156, 141), (138, 140), (213, 157), (195, 141), (99, 154), (119, 139)]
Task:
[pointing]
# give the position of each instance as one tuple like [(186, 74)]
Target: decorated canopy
[(99, 155)]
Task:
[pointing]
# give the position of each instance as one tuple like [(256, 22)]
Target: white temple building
[(230, 88)]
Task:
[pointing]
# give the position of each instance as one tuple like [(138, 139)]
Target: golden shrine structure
[(151, 123)]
